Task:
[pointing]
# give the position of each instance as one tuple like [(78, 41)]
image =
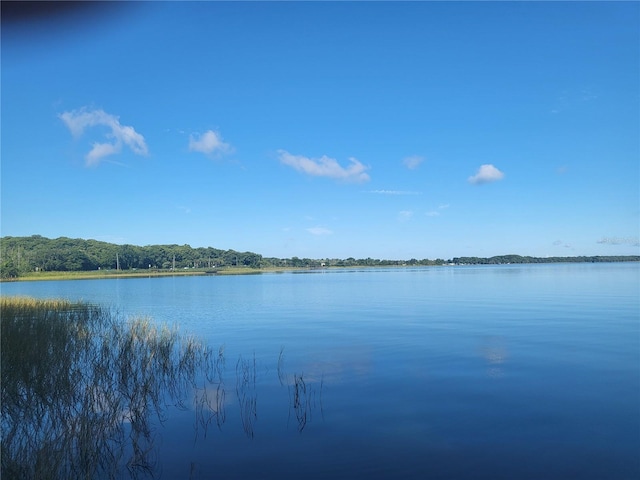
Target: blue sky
[(384, 130)]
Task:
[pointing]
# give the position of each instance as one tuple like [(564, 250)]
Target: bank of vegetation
[(508, 259), (20, 256)]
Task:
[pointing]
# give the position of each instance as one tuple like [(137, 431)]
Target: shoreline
[(229, 271), (101, 275)]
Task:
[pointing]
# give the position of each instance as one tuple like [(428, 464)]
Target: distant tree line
[(19, 255), (506, 259)]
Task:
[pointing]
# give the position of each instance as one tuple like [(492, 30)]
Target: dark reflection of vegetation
[(210, 402), (303, 399), (246, 392), (302, 395), (82, 389)]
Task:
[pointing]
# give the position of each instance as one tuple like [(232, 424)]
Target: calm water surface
[(448, 372)]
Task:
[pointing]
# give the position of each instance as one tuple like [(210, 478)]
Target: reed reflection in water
[(246, 392), (302, 394), (84, 391)]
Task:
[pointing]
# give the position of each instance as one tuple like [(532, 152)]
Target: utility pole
[(117, 262)]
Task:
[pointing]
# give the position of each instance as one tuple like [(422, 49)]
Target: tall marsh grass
[(82, 388)]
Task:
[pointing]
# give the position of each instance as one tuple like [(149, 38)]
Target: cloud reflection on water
[(494, 351)]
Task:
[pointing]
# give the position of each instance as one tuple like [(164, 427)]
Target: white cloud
[(326, 167), (560, 243), (486, 174), (77, 121), (412, 162), (633, 241), (394, 192), (436, 213), (319, 231), (209, 143), (101, 150)]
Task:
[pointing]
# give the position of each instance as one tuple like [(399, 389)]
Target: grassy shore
[(103, 274), (97, 274)]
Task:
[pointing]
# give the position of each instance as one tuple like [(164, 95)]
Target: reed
[(246, 394), (83, 389), (302, 393)]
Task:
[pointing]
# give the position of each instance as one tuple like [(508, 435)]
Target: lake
[(500, 372)]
